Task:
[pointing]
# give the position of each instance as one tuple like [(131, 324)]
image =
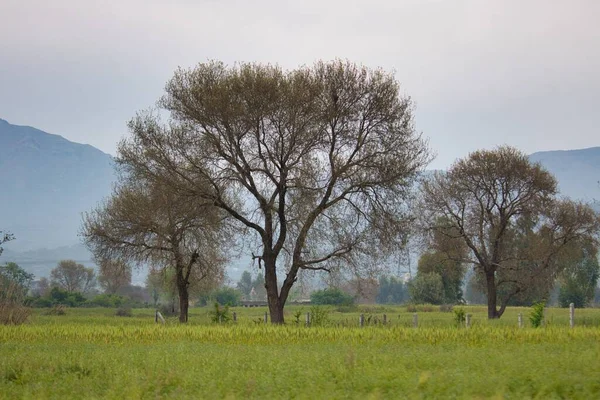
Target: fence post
[(266, 317), (307, 319), (468, 320), (234, 317), (572, 314), (415, 320), (158, 316), (384, 319), (361, 320), (520, 319)]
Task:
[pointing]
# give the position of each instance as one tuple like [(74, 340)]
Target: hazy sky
[(482, 73)]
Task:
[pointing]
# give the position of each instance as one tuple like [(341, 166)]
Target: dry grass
[(12, 308)]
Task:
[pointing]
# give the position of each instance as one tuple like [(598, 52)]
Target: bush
[(124, 312), (56, 310), (319, 316), (107, 300), (219, 315), (537, 314), (331, 296), (12, 308), (460, 316), (71, 299)]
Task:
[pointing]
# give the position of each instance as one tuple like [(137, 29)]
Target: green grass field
[(91, 353)]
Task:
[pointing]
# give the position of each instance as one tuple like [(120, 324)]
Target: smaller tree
[(245, 284), (72, 277), (11, 275), (427, 288), (40, 288), (580, 277), (391, 291), (113, 275), (260, 292)]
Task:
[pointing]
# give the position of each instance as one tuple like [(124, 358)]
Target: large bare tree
[(143, 222), (506, 211), (316, 162)]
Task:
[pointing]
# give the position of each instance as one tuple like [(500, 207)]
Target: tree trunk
[(275, 305), (491, 294), (184, 297), (184, 302)]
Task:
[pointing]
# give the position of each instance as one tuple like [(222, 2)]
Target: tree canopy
[(506, 211), (316, 162)]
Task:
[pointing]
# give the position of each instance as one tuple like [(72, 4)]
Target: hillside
[(45, 184), (577, 171)]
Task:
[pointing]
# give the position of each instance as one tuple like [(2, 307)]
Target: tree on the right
[(508, 213)]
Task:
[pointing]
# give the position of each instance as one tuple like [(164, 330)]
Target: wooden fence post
[(468, 320), (266, 317), (234, 317), (572, 314), (415, 320), (384, 319), (520, 319), (361, 320), (307, 319)]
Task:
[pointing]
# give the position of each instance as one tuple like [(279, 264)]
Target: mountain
[(577, 171), (46, 182)]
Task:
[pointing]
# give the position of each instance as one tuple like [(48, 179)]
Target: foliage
[(123, 312), (452, 273), (113, 275), (326, 153), (64, 297), (391, 291), (331, 296), (220, 313), (12, 308), (505, 210), (536, 317), (245, 284), (580, 276), (107, 300), (11, 275), (73, 277), (460, 315), (319, 315), (427, 288)]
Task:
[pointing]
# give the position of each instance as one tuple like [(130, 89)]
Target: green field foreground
[(94, 354)]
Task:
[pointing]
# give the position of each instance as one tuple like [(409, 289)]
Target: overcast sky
[(482, 73)]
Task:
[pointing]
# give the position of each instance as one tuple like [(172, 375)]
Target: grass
[(91, 353)]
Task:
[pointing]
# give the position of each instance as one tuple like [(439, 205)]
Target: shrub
[(459, 316), (331, 296), (537, 314), (12, 308), (123, 312), (107, 300), (58, 309), (219, 314), (319, 316)]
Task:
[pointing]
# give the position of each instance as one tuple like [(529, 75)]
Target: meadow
[(91, 353)]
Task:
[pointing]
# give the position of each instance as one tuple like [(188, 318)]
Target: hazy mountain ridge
[(47, 181), (45, 185)]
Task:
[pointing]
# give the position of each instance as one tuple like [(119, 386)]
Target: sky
[(481, 73)]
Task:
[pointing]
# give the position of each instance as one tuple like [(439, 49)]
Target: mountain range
[(47, 182)]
